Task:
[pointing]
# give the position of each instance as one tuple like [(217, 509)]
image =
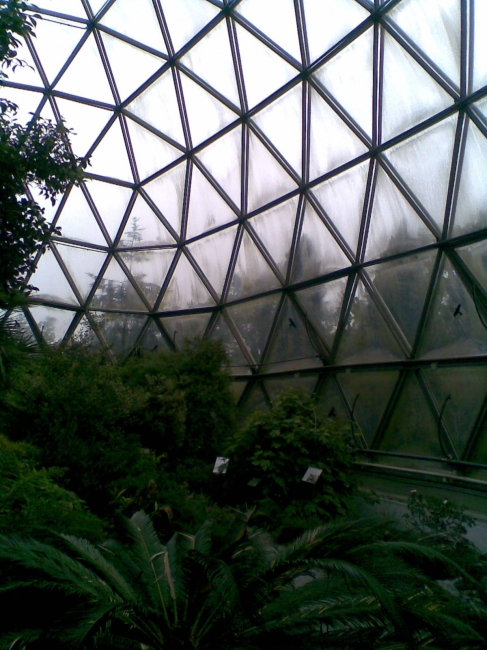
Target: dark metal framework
[(376, 364)]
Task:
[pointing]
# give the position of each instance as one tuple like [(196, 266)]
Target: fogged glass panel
[(120, 331), (52, 323)]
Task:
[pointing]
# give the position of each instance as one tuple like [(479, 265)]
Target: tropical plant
[(337, 586)]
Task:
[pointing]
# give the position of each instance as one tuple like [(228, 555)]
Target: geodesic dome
[(304, 180)]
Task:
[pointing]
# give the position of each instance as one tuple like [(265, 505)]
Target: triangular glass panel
[(466, 388), (275, 387), (328, 21), (424, 162), (23, 74), (342, 197), (403, 284), (51, 282), (110, 156), (89, 123), (69, 7), (206, 114), (331, 405), (144, 228), (207, 209), (453, 327), (66, 38), (149, 269), (264, 71), (96, 5), (410, 95), (282, 31), (111, 202), (323, 305), (291, 347), (253, 320), (275, 229), (138, 22), (267, 178), (153, 341), (318, 253), (366, 337), (85, 335), (185, 290), (238, 362), (187, 327), (435, 27), (479, 46), (52, 323), (252, 274), (479, 453), (151, 153), (211, 59), (83, 265), (167, 192), (471, 210), (77, 220), (184, 21), (115, 291), (412, 414), (75, 80), (26, 101), (130, 65), (371, 392), (282, 123), (223, 159), (158, 106), (332, 142), (255, 401), (348, 77), (212, 255), (237, 388), (120, 331), (394, 225), (475, 257)]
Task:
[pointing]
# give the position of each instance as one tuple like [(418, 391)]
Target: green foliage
[(31, 501), (277, 447), (189, 409), (37, 155), (336, 586), (74, 408), (437, 516)]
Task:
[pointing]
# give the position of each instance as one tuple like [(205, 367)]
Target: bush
[(276, 448)]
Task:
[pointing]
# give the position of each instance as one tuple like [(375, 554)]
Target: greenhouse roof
[(304, 180)]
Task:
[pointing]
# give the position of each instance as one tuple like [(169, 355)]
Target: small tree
[(37, 156)]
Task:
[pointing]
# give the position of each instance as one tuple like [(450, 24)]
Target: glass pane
[(110, 156), (116, 292), (26, 102), (111, 202), (410, 94), (183, 328), (212, 254), (85, 335), (24, 74), (151, 153), (331, 404), (144, 228), (276, 18), (207, 209), (120, 331), (264, 71), (185, 19), (86, 121), (323, 305), (253, 320), (77, 220), (71, 7), (453, 328), (403, 285), (252, 274), (267, 179), (137, 21), (167, 192), (238, 362), (53, 323), (282, 123), (394, 225), (153, 341), (318, 253), (475, 256), (51, 282), (83, 264), (323, 32), (424, 161), (66, 38), (471, 211), (332, 142), (275, 229), (480, 45), (149, 270), (185, 290), (348, 77), (371, 392), (342, 197), (223, 159)]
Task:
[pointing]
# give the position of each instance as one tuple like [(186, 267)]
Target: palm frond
[(202, 541)]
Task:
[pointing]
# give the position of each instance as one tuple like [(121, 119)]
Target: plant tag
[(254, 482), (311, 475), (221, 465)]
